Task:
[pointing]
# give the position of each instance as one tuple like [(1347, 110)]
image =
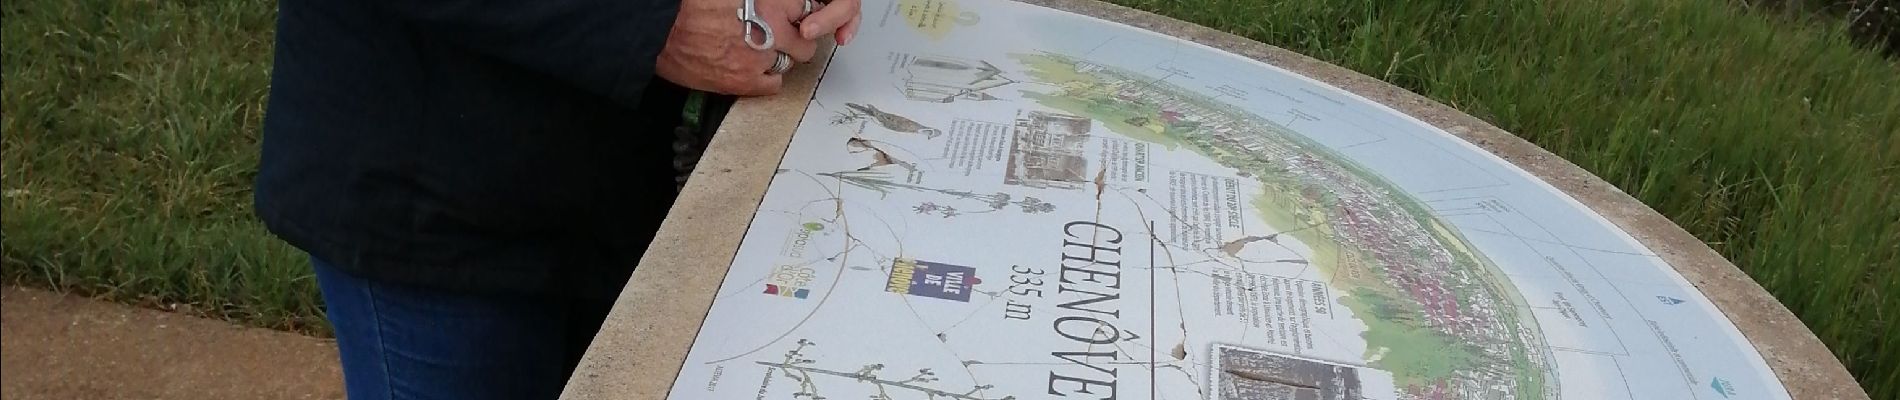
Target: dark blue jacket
[(494, 145)]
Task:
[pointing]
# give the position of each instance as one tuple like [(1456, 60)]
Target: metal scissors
[(749, 13)]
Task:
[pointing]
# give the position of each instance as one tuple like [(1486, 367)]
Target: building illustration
[(943, 79), (1258, 375), (1049, 151)]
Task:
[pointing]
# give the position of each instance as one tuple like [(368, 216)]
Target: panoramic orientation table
[(996, 199)]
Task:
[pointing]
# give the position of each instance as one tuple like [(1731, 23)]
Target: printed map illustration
[(994, 200)]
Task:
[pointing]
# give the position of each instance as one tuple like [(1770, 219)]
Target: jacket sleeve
[(608, 47)]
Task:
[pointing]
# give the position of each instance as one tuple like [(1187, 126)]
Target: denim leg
[(401, 342), (352, 320)]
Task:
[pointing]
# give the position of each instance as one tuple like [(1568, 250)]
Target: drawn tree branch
[(992, 202), (801, 368)]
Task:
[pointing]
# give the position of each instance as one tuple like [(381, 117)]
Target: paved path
[(55, 346)]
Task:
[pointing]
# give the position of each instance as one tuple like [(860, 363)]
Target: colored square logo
[(786, 292), (929, 279)]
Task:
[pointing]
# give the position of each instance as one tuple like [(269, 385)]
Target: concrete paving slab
[(59, 346)]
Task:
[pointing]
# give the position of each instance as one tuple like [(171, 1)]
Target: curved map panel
[(995, 200)]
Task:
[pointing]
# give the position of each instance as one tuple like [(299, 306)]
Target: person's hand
[(706, 49), (839, 17)]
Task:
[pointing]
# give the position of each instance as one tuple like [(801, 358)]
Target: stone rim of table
[(645, 340)]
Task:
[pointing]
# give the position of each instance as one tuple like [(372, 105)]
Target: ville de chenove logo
[(931, 279)]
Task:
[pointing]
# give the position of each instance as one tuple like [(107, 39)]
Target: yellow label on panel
[(934, 18)]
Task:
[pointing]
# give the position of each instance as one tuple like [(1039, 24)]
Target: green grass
[(130, 141), (130, 129)]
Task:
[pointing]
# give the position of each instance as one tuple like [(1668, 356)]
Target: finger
[(849, 30), (800, 48), (757, 61), (753, 80), (829, 18), (748, 76), (815, 6)]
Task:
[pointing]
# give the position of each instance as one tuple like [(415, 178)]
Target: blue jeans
[(400, 342)]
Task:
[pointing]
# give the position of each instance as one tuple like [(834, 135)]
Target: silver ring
[(780, 64)]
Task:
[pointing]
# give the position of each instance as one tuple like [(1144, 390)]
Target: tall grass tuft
[(130, 141)]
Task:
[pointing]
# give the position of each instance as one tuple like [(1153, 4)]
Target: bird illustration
[(879, 157), (894, 122)]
